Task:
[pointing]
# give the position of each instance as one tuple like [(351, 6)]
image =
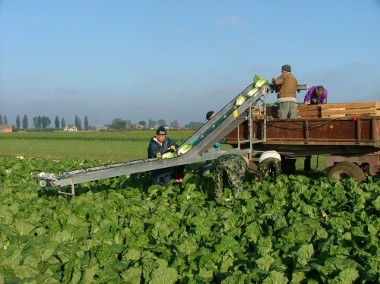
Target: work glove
[(158, 155), (172, 148)]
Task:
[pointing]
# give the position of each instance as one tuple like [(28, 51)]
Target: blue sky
[(176, 60)]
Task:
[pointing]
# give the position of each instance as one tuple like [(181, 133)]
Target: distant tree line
[(42, 122), (122, 124)]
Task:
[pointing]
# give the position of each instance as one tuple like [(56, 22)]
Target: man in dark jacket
[(159, 145)]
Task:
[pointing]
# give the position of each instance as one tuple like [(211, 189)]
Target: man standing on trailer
[(286, 96)]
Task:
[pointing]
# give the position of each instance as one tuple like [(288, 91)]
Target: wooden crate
[(270, 111), (325, 110), (309, 111), (350, 109)]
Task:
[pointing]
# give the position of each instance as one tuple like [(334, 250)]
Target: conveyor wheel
[(344, 170)]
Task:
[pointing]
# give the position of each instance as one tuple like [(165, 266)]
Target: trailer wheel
[(344, 170), (288, 166)]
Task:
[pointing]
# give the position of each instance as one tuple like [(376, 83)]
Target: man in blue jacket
[(158, 145)]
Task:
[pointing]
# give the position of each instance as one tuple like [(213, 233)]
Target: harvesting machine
[(351, 141)]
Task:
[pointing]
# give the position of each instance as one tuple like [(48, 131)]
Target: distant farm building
[(70, 128), (139, 126), (5, 128)]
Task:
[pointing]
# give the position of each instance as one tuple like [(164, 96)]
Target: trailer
[(253, 132), (349, 139)]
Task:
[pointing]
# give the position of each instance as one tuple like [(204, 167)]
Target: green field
[(110, 146), (300, 229), (104, 146), (123, 230)]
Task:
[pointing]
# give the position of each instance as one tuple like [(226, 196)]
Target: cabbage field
[(122, 230)]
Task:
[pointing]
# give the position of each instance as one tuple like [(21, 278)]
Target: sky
[(176, 60)]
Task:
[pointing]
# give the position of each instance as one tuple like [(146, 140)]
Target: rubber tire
[(288, 166), (344, 170), (269, 166)]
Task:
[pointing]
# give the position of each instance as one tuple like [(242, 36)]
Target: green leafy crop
[(123, 230)]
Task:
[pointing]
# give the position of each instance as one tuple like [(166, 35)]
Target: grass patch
[(104, 146), (110, 146)]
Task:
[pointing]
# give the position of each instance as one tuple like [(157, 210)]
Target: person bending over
[(316, 95), (230, 171)]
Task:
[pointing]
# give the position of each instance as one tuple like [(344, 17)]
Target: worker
[(230, 170), (286, 96), (216, 147), (316, 95), (158, 145), (210, 115)]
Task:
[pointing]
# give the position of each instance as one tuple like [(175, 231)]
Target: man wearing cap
[(286, 96), (159, 145)]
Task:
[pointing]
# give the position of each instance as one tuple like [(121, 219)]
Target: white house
[(70, 128)]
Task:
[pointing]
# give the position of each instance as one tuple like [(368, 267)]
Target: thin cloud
[(231, 21)]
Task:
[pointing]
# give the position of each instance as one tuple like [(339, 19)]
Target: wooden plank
[(326, 110), (309, 111), (350, 105), (352, 114), (308, 107), (350, 109)]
